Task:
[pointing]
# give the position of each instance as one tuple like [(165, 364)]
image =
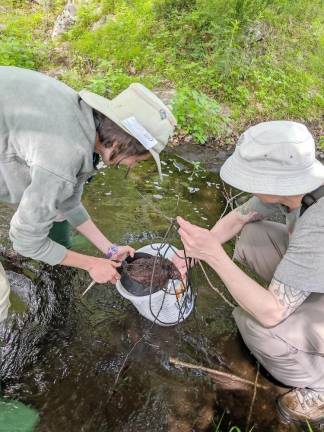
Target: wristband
[(112, 250)]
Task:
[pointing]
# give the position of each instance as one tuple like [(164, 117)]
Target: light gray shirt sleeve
[(77, 216), (36, 213), (302, 267), (72, 209)]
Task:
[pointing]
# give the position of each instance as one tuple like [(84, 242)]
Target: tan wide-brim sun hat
[(274, 158), (140, 113)]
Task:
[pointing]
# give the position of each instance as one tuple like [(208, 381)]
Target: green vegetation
[(199, 114), (17, 47), (321, 143), (231, 61)]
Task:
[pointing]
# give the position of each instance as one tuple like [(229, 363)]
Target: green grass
[(232, 62), (17, 46)]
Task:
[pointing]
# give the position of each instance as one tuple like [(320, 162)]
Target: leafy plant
[(17, 45), (163, 8), (321, 143), (198, 114), (262, 59), (110, 81)]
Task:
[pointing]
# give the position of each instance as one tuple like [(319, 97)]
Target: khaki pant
[(292, 351), (4, 294)]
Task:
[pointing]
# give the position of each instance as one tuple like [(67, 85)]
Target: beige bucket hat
[(275, 158), (140, 113)]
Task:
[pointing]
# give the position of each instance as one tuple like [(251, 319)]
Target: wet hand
[(199, 242), (123, 252), (179, 261), (102, 270)]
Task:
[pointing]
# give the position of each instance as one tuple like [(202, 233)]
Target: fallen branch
[(229, 376), (253, 399), (213, 287)]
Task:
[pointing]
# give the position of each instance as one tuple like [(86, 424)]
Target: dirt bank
[(213, 154)]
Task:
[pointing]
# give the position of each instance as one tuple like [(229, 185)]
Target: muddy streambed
[(66, 351)]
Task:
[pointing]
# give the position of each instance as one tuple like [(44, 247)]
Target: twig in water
[(229, 200), (253, 398), (214, 288), (126, 358), (89, 287), (229, 376)]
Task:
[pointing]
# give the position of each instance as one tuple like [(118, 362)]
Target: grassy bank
[(231, 62)]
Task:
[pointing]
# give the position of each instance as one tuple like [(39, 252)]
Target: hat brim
[(105, 107), (250, 179)]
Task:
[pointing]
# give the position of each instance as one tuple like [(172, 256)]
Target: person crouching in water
[(283, 326), (48, 136)]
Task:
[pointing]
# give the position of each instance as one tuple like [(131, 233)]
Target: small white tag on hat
[(139, 132)]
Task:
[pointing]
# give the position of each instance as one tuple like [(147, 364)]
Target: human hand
[(102, 270), (198, 242), (179, 261), (122, 253)]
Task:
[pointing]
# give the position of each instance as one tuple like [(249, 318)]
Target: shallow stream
[(66, 351)]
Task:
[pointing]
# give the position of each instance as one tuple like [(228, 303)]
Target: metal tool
[(89, 288)]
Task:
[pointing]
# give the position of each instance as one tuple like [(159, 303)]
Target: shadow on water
[(63, 352)]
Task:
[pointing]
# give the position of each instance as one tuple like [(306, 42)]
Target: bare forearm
[(93, 234), (74, 259), (227, 227), (269, 307), (100, 270), (252, 297)]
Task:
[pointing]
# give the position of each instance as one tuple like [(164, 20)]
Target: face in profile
[(268, 199)]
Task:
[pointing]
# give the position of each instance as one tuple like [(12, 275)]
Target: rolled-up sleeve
[(77, 216), (35, 215)]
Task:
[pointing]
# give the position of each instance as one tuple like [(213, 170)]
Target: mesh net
[(152, 271)]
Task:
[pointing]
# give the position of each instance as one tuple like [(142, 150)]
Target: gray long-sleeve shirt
[(47, 138)]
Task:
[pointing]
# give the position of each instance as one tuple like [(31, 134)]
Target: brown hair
[(110, 133)]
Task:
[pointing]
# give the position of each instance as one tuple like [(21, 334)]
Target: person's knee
[(256, 337), (244, 323), (245, 240)]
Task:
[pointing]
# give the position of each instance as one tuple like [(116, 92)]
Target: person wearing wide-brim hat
[(48, 136), (283, 326)]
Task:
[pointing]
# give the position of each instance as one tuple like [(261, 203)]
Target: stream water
[(64, 352)]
